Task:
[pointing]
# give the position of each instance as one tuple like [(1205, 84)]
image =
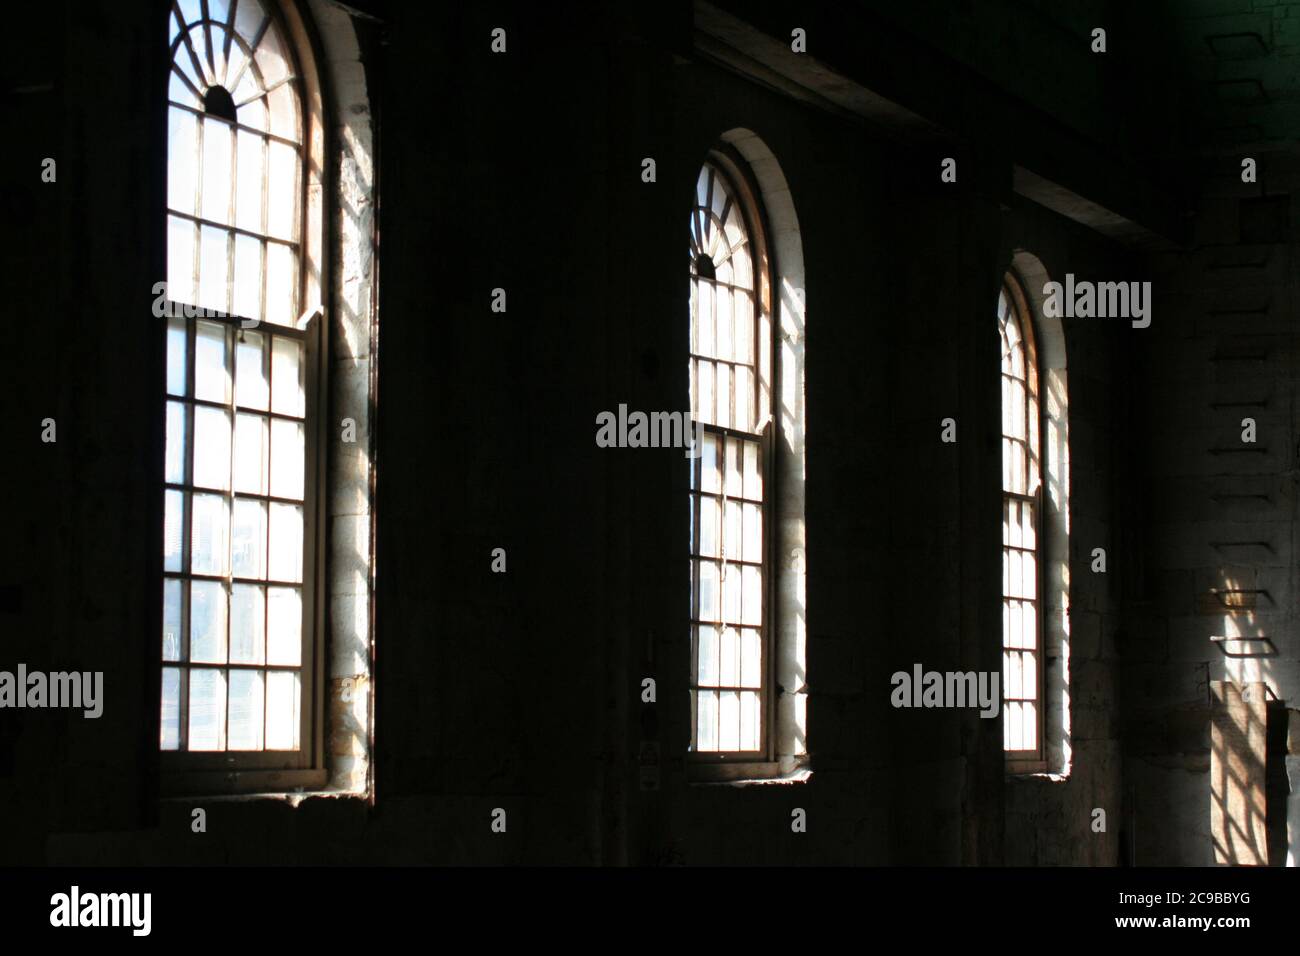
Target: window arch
[(236, 157), (747, 689), (1035, 526), (244, 498)]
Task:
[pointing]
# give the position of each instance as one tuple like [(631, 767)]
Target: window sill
[(248, 783), (796, 777), (737, 774), (293, 798), (1047, 776)]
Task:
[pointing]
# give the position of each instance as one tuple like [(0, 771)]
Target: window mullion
[(187, 508), (767, 643), (312, 679)]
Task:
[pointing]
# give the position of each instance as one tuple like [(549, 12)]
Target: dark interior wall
[(521, 690), (80, 579), (1219, 513)]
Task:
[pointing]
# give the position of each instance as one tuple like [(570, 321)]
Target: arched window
[(242, 589), (746, 681), (1023, 655)]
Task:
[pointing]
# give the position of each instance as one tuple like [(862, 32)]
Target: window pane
[(1028, 525), (706, 715), (286, 377), (178, 92), (743, 328), (171, 709), (208, 622), (219, 10), (185, 63), (722, 311), (284, 112), (176, 443), (235, 66), (211, 363), (182, 143), (282, 188), (211, 447), (753, 595), (710, 476), (198, 42), (207, 724), (252, 388), (281, 280), (1016, 410), (1029, 725), (731, 593), (750, 721), (722, 317), (707, 656), (250, 174), (249, 18), (744, 398), (751, 658), (287, 458), (753, 533), (217, 155), (709, 578), (704, 330), (1013, 675), (1029, 672), (256, 115), (270, 58), (729, 720), (246, 699), (705, 404), (178, 370), (173, 619), (247, 624), (710, 518), (1029, 624), (734, 458), (210, 535), (282, 710), (180, 260), (251, 449), (248, 539), (173, 529), (284, 626), (248, 277), (214, 268), (729, 657), (731, 530), (722, 391), (1029, 574), (286, 543)]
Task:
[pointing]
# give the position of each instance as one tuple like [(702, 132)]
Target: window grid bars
[(727, 439), (232, 335), (1017, 337)]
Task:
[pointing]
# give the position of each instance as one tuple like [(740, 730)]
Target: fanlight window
[(234, 162)]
